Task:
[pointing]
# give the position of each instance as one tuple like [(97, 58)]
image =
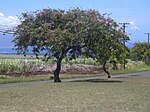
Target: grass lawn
[(6, 79), (131, 70), (129, 94)]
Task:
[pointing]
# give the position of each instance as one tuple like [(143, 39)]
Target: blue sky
[(134, 11)]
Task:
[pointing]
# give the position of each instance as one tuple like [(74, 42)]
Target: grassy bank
[(130, 94), (142, 68)]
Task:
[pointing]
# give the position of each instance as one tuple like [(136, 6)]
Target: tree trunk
[(57, 71), (104, 68)]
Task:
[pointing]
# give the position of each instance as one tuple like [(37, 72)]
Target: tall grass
[(10, 65), (87, 61), (17, 65)]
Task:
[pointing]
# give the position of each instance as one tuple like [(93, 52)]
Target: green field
[(130, 94)]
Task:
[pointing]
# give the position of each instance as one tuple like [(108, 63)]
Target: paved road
[(78, 79)]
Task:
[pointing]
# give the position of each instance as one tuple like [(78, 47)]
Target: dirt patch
[(66, 69), (80, 69)]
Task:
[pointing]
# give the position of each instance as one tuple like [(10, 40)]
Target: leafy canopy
[(141, 52), (74, 32), (57, 32)]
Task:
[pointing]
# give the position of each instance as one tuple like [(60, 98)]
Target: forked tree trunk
[(57, 71), (104, 68)]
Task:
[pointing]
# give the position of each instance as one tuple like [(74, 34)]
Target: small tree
[(107, 43)]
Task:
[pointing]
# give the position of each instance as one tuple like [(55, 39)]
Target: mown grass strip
[(131, 70), (130, 94)]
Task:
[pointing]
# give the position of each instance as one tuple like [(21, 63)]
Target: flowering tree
[(108, 44), (59, 32)]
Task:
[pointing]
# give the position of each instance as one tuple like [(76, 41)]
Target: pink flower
[(121, 33), (109, 20), (53, 31), (49, 25), (40, 28)]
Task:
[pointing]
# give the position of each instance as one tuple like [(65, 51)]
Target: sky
[(135, 12)]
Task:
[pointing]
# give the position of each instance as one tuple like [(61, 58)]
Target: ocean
[(7, 50), (10, 50)]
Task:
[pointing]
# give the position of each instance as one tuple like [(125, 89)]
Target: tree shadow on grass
[(100, 81)]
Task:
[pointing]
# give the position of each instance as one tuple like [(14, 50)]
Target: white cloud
[(9, 22), (1, 14), (133, 26)]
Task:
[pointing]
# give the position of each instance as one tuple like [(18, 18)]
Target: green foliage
[(132, 64), (59, 32), (141, 52), (55, 31), (69, 34), (107, 44)]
